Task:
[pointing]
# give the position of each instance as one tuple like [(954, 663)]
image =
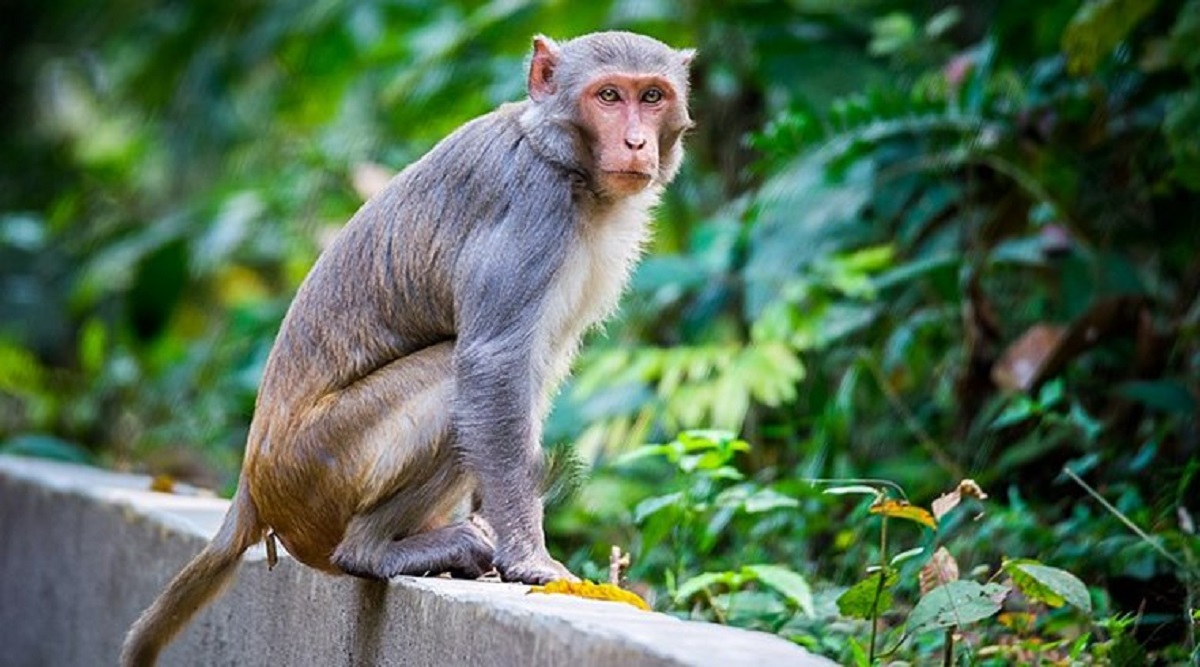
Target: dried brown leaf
[(971, 489), (967, 488), (942, 505), (941, 569), (1019, 368)]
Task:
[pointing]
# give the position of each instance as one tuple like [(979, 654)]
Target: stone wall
[(83, 551)]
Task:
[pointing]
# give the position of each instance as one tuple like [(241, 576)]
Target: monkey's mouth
[(623, 174)]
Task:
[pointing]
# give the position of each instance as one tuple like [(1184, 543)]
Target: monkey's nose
[(635, 143)]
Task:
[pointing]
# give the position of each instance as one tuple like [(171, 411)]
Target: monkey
[(413, 371)]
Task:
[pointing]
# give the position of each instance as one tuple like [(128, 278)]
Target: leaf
[(1179, 125), (900, 509), (861, 658), (856, 488), (791, 585), (46, 447), (859, 600), (766, 500), (905, 555), (704, 581), (1162, 395), (93, 339), (1022, 363), (956, 603), (1050, 585), (944, 503), (940, 570), (971, 489), (1021, 409), (1021, 622), (1051, 394), (948, 501), (891, 33), (1097, 28), (651, 506)]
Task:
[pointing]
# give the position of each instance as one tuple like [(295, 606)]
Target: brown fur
[(415, 365)]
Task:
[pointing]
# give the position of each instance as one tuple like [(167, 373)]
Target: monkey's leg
[(398, 536), (369, 465), (464, 549)]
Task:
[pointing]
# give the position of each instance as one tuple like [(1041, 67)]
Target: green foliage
[(705, 493), (792, 587), (1049, 585), (911, 243), (1098, 27), (869, 598), (956, 604)]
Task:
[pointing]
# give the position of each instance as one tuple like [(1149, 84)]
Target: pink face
[(628, 116), (631, 121)]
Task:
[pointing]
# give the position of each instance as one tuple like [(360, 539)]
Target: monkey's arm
[(500, 365)]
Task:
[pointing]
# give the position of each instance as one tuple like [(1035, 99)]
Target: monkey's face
[(633, 122)]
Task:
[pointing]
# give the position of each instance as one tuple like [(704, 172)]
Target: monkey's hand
[(535, 569)]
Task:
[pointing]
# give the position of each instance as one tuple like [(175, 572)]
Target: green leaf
[(46, 447), (861, 489), (651, 506), (1020, 410), (891, 33), (1078, 646), (1162, 395), (765, 500), (707, 580), (1051, 394), (859, 600), (956, 603), (786, 582), (905, 555), (1097, 28), (644, 452), (1179, 126), (861, 659), (1050, 585), (92, 342)]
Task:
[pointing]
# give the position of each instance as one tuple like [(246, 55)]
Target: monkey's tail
[(199, 582)]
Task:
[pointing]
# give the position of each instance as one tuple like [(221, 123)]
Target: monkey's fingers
[(535, 570)]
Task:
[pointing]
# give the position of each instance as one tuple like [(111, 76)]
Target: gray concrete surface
[(83, 551)]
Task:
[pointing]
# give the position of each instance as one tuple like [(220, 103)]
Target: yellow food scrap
[(163, 483), (592, 591)]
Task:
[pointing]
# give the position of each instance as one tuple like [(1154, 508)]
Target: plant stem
[(712, 604), (879, 589), (1154, 544), (948, 649)]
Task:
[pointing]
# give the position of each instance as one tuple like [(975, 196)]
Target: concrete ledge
[(83, 551)]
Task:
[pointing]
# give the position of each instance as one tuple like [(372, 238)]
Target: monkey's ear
[(686, 56), (541, 68)]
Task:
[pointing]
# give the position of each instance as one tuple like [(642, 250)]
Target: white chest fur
[(589, 284)]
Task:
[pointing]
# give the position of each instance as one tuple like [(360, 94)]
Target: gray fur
[(411, 369)]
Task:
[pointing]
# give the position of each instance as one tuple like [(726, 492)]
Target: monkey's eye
[(652, 96), (609, 95)]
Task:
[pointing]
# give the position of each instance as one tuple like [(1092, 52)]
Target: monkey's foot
[(465, 550), (535, 569)]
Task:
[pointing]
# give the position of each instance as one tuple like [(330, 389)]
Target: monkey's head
[(622, 99)]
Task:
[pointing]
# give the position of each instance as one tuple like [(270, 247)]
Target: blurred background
[(916, 241)]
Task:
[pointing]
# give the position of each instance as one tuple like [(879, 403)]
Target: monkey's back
[(383, 290)]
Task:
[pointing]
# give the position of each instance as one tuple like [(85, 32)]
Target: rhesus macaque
[(415, 367)]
